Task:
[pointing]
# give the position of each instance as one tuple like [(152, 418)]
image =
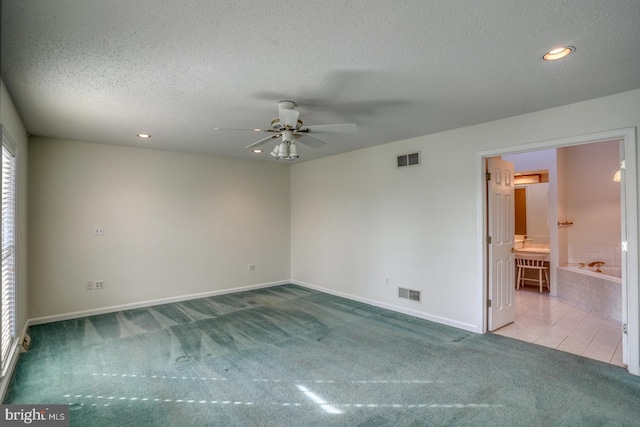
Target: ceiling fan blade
[(263, 141), (339, 128), (309, 140), (288, 117)]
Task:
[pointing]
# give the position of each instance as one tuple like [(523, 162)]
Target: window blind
[(7, 299)]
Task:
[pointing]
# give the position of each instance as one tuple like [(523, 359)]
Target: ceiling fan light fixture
[(283, 151), (559, 53), (274, 153), (293, 151), (257, 150)]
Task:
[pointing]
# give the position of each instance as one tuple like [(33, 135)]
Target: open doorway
[(563, 250), (583, 313)]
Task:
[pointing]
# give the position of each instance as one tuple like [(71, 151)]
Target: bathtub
[(609, 273), (597, 291)]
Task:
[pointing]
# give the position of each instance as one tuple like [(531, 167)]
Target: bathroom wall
[(592, 202), (562, 232)]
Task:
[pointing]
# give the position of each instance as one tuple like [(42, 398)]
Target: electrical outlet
[(89, 285), (99, 284), (252, 267), (98, 230)]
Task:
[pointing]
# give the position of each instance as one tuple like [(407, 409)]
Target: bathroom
[(573, 213)]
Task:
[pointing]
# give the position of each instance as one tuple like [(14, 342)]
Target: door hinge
[(625, 328), (488, 240), (488, 303), (624, 246), (488, 176)]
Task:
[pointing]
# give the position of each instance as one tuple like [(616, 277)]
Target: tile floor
[(549, 321)]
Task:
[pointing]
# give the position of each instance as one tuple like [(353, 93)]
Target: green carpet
[(289, 356)]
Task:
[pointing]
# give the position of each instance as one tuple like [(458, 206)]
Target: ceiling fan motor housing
[(288, 105)]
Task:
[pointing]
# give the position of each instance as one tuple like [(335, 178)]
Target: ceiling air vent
[(409, 294), (409, 159)]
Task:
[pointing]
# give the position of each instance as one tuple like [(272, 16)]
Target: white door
[(501, 216)]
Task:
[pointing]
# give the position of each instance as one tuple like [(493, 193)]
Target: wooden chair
[(532, 262)]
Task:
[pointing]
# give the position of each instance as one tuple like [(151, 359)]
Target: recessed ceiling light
[(257, 151), (144, 135), (558, 53)]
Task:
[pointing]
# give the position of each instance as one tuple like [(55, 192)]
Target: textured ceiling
[(103, 71)]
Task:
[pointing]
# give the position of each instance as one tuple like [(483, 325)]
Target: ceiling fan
[(288, 127)]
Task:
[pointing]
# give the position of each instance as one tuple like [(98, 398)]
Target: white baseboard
[(414, 313), (149, 303)]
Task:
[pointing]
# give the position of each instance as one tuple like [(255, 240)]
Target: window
[(7, 297)]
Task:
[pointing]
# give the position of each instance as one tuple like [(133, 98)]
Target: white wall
[(174, 225), (14, 129), (357, 219), (592, 199)]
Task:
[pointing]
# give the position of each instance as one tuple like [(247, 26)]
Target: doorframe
[(629, 223)]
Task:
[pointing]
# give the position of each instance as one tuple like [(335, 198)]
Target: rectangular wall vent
[(409, 294), (409, 159)]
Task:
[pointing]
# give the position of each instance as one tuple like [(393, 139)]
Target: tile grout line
[(529, 308)]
